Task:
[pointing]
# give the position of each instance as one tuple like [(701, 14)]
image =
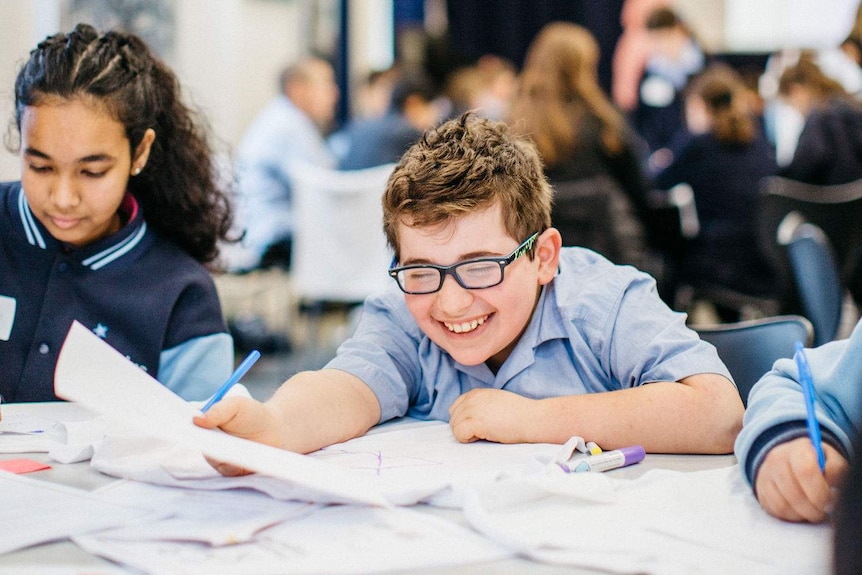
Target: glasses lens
[(419, 280), (480, 274)]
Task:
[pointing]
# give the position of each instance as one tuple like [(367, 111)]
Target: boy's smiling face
[(479, 325)]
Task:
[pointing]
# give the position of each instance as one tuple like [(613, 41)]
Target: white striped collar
[(105, 257), (94, 262), (34, 236)]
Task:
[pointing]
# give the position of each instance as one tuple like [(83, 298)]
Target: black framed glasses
[(477, 273)]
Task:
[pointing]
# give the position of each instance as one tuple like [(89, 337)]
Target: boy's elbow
[(721, 401), (729, 411)]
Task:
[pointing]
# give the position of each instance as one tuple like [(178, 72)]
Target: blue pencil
[(233, 379), (807, 382)]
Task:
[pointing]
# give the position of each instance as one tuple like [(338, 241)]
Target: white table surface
[(71, 559)]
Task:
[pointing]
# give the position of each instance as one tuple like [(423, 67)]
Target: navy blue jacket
[(726, 182), (142, 294)]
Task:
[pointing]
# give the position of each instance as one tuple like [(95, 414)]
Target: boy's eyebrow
[(462, 258), (85, 160)]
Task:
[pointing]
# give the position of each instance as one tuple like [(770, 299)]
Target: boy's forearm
[(702, 414), (316, 409)]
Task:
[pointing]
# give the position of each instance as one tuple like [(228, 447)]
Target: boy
[(498, 331), (774, 450)]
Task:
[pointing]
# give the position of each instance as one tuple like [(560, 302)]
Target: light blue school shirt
[(596, 327), (776, 410)]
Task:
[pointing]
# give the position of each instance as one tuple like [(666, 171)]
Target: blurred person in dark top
[(723, 160)]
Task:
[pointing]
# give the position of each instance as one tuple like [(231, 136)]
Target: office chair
[(835, 209), (672, 222), (749, 348), (595, 213), (676, 225), (339, 254), (815, 274)]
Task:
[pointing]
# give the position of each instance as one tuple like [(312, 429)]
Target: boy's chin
[(466, 357)]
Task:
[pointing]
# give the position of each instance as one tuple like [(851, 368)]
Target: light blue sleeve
[(635, 335), (652, 342), (776, 406), (384, 353), (195, 369)]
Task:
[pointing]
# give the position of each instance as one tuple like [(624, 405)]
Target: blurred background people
[(373, 141), (829, 148), (291, 128), (674, 57), (371, 98), (631, 52), (486, 88), (723, 160), (580, 135)]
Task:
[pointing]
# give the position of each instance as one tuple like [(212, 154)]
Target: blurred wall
[(227, 54)]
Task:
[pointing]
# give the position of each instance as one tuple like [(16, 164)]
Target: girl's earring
[(137, 171)]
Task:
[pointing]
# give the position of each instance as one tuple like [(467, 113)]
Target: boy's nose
[(452, 299)]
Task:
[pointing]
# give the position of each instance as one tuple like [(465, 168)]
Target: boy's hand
[(491, 414), (243, 417), (790, 485)]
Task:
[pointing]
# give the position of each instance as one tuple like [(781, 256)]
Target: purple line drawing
[(372, 460)]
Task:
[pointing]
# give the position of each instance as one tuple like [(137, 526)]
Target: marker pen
[(608, 460)]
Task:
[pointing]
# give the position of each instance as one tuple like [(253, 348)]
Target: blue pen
[(231, 381), (808, 388)]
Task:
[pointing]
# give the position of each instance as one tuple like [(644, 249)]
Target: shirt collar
[(98, 254)]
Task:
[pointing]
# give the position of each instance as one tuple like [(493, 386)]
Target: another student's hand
[(243, 417), (491, 414), (790, 485)]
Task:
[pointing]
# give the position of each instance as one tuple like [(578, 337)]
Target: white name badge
[(7, 316)]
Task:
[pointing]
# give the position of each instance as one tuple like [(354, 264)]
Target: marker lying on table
[(607, 460), (593, 448), (576, 443), (233, 379), (807, 382)]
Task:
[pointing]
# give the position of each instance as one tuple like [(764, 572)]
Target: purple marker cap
[(632, 454), (608, 460)]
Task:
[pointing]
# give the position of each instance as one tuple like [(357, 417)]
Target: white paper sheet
[(421, 461), (333, 540), (224, 518), (22, 433), (33, 511), (664, 523), (95, 375)]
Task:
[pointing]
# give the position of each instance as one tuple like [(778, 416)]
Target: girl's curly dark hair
[(178, 188)]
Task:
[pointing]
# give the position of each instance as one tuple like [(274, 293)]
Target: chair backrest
[(596, 213), (836, 209), (815, 274), (339, 251), (749, 348), (678, 202), (672, 219)]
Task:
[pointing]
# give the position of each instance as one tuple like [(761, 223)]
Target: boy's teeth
[(466, 326)]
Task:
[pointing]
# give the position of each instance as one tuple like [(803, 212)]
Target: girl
[(829, 150), (723, 160), (116, 213), (583, 140)]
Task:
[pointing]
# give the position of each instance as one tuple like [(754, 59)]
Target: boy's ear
[(548, 246)]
